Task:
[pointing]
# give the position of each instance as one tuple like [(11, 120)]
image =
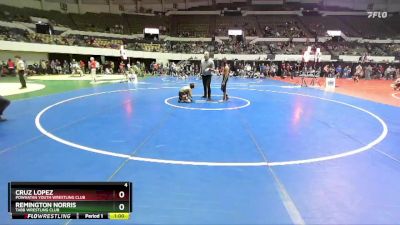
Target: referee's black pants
[(207, 86), (3, 104), (22, 78)]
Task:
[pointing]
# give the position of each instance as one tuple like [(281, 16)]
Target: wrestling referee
[(207, 68)]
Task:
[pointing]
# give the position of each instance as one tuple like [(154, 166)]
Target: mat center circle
[(213, 163), (215, 104)]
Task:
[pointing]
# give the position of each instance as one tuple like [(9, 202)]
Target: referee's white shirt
[(205, 67), (20, 65)]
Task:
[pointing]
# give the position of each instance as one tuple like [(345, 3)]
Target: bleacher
[(281, 26), (184, 47), (193, 26), (284, 26), (369, 28), (13, 34), (294, 48), (202, 26), (320, 24), (136, 23), (247, 23), (393, 22), (49, 39), (233, 47), (98, 22), (392, 49), (57, 18), (345, 48)]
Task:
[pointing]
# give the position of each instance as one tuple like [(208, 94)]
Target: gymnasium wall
[(28, 57), (23, 3)]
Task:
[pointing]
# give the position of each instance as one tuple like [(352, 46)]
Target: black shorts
[(224, 84)]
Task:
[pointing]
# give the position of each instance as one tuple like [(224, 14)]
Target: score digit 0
[(121, 194), (121, 206)]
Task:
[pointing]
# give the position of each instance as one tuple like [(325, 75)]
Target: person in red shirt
[(11, 67), (82, 65), (155, 69), (122, 67)]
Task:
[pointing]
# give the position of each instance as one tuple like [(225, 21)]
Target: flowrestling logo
[(377, 14)]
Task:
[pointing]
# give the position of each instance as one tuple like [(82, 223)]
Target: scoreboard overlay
[(70, 200)]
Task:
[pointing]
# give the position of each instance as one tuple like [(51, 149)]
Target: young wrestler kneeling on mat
[(185, 94)]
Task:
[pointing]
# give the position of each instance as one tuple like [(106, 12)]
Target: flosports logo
[(377, 14)]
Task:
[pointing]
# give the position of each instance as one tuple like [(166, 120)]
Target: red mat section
[(374, 90)]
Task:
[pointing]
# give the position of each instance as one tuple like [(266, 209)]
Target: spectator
[(11, 67), (21, 71), (93, 67), (43, 67), (58, 66), (368, 72), (75, 68), (339, 71), (66, 67), (4, 69), (53, 66), (82, 65), (390, 73)]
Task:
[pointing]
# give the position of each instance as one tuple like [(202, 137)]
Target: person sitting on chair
[(358, 73), (185, 94), (75, 68), (132, 72)]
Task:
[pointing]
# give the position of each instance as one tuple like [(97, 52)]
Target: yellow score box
[(118, 216)]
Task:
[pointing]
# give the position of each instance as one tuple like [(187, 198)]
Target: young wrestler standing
[(225, 77)]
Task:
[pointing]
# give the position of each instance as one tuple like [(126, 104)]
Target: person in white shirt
[(75, 68), (358, 73), (21, 71), (124, 56), (131, 73), (207, 69)]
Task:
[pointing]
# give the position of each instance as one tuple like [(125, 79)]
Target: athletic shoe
[(2, 119)]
